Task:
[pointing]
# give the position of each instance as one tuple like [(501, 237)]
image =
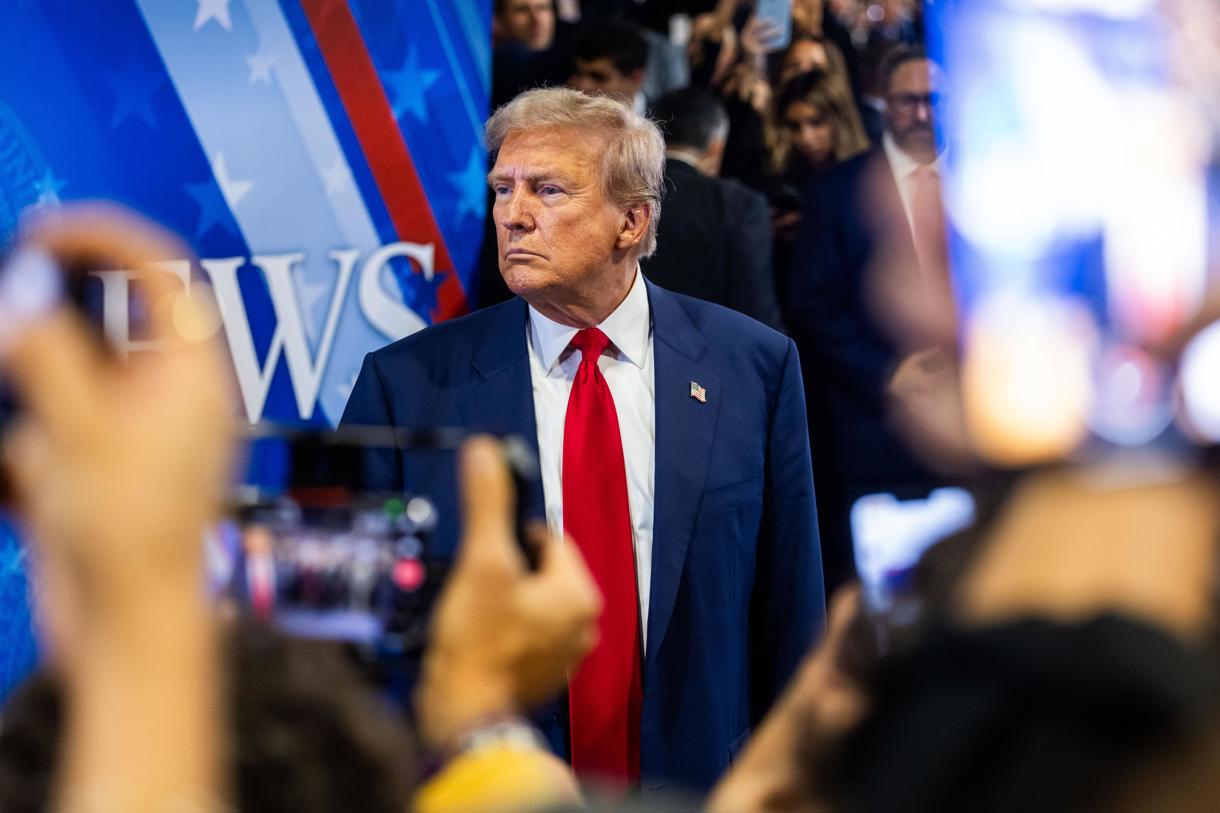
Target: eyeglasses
[(908, 103)]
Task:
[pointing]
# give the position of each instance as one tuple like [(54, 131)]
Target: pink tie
[(928, 227), (605, 691)]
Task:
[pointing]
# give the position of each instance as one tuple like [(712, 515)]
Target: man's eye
[(500, 189), (549, 190)]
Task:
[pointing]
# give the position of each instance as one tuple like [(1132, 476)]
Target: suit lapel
[(685, 431), (499, 397)]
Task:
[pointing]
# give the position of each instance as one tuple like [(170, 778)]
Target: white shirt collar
[(627, 328), (688, 158), (903, 165)]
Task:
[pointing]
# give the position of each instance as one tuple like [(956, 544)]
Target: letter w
[(288, 340)]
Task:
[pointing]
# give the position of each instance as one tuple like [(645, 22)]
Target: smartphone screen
[(315, 546), (890, 535), (779, 14)]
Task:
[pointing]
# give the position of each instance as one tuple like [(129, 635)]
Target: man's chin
[(918, 141), (521, 279)]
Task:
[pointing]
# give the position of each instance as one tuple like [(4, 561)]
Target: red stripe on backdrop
[(372, 118)]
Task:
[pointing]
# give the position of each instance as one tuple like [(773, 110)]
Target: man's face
[(600, 76), (912, 100), (530, 22), (557, 232)]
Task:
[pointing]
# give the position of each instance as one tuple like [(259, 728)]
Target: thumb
[(487, 498)]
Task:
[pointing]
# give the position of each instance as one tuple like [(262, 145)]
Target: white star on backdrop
[(217, 10), (338, 178), (233, 190), (260, 67)]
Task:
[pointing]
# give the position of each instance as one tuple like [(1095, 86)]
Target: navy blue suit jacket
[(736, 597), (852, 218)]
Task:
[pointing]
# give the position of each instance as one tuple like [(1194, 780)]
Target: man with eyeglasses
[(870, 278)]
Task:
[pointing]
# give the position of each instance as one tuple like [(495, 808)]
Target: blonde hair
[(633, 163)]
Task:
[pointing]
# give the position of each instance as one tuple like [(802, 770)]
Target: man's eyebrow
[(533, 177)]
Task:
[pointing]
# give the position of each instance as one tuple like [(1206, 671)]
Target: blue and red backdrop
[(323, 159)]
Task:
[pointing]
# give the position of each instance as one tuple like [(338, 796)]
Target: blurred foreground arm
[(503, 640), (118, 471), (774, 773)]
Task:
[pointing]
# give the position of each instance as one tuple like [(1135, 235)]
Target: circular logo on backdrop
[(25, 177)]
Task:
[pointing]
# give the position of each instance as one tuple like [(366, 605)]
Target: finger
[(488, 500), (26, 461), (91, 232), (94, 236), (561, 561), (54, 368), (844, 605)]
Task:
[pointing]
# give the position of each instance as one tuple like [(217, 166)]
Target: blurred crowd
[(1060, 654)]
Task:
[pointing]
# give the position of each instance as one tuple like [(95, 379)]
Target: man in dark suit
[(671, 436), (714, 242), (871, 265)]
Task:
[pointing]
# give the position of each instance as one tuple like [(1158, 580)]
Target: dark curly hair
[(305, 735)]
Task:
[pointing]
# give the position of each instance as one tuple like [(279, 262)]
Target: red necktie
[(605, 691)]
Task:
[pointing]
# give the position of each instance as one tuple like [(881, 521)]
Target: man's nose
[(923, 111), (517, 214)]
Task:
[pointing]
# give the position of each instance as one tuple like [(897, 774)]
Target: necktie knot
[(591, 343)]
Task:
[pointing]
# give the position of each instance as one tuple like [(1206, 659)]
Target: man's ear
[(634, 226), (713, 156)]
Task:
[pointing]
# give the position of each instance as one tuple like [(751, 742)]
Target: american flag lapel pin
[(697, 392)]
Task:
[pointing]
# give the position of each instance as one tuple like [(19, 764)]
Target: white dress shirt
[(904, 168), (627, 368)]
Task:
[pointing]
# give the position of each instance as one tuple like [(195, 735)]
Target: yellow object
[(499, 778)]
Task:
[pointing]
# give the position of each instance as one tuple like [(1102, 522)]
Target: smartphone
[(311, 546), (779, 14), (1081, 184), (890, 535)]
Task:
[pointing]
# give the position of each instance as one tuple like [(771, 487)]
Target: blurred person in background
[(814, 127), (118, 471), (529, 24), (806, 52), (666, 67), (877, 210), (609, 57), (530, 47), (714, 241)]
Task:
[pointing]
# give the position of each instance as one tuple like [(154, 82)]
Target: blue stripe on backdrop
[(438, 90), (18, 652)]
